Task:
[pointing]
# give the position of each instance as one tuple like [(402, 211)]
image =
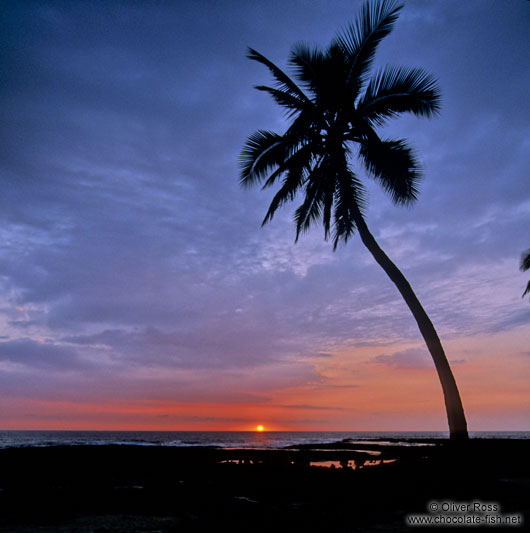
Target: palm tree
[(334, 108), (525, 265)]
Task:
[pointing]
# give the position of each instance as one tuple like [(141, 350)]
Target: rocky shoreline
[(370, 486)]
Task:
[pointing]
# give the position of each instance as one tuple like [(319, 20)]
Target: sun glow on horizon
[(260, 428)]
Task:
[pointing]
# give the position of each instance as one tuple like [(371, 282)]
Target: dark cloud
[(42, 355)]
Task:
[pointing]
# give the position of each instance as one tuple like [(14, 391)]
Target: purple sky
[(132, 265)]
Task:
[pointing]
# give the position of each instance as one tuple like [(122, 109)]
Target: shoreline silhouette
[(128, 487)]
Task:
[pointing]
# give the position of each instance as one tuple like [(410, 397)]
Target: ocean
[(223, 439)]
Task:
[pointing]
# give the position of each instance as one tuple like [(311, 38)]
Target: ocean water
[(224, 439)]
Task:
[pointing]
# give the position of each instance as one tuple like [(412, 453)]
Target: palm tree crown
[(524, 266), (335, 106)]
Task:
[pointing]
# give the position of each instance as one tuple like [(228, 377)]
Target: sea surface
[(224, 439)]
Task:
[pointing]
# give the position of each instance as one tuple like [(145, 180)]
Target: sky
[(138, 289)]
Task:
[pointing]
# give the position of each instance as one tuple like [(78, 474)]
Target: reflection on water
[(351, 464), (392, 443)]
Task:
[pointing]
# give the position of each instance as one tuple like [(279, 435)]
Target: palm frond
[(284, 98), (287, 192), (295, 169), (327, 201), (311, 209), (396, 90), (527, 291), (360, 39), (349, 201), (298, 161), (263, 151), (525, 261), (394, 166), (306, 126), (524, 266), (333, 96), (283, 81), (308, 64)]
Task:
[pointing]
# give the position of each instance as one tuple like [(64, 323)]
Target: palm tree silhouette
[(525, 265), (335, 107)]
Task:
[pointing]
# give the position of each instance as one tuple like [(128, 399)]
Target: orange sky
[(350, 391)]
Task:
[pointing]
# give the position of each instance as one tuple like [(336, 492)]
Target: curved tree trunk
[(453, 403)]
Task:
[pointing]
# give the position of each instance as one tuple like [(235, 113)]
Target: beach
[(342, 486)]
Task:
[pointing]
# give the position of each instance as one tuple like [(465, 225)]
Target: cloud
[(308, 407), (41, 354), (211, 345), (411, 359)]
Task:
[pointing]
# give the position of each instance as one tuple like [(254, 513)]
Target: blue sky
[(133, 267)]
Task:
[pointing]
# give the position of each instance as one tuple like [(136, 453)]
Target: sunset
[(204, 231), (135, 269)]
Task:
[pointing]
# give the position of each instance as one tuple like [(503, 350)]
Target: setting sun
[(259, 428)]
